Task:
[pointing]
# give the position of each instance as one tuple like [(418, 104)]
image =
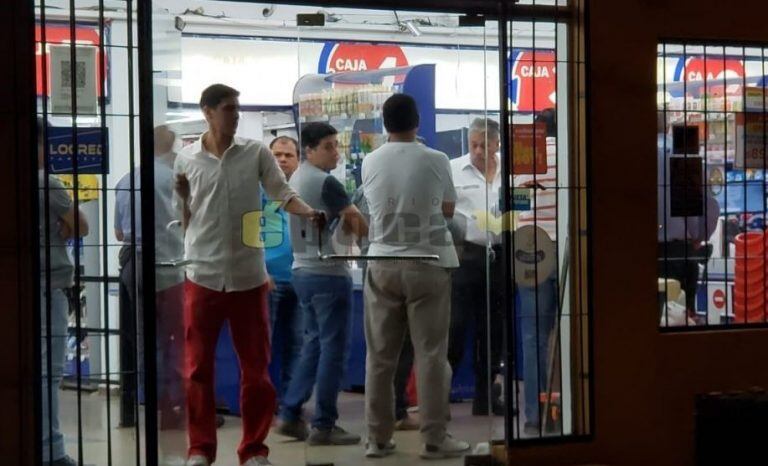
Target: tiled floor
[(96, 450)]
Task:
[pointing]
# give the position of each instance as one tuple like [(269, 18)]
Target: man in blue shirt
[(168, 281), (285, 320)]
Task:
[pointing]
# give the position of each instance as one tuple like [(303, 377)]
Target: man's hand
[(182, 186), (270, 284), (318, 218), (533, 184), (182, 189)]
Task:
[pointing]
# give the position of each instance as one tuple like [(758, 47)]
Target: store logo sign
[(532, 79), (89, 145), (342, 56), (713, 67)]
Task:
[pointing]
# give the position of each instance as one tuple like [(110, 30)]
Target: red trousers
[(205, 311)]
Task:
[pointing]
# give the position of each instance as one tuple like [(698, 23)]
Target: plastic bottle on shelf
[(349, 180), (354, 146)]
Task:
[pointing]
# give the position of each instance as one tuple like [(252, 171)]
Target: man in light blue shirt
[(285, 319), (168, 280)]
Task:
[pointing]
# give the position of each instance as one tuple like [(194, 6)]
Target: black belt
[(479, 253)]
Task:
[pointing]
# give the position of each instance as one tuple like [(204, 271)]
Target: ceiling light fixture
[(411, 27)]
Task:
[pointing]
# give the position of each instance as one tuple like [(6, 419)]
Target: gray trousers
[(414, 296)]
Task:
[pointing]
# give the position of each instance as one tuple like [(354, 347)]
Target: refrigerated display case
[(352, 102)]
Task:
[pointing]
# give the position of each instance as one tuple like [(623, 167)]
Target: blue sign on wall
[(92, 156)]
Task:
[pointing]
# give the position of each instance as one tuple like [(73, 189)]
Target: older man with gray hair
[(477, 178)]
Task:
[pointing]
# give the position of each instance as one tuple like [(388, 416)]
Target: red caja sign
[(346, 56), (711, 68), (533, 79)]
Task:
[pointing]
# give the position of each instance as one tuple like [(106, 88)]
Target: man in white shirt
[(477, 177), (410, 196), (218, 183)]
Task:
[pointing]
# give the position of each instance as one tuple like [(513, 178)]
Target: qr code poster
[(82, 79)]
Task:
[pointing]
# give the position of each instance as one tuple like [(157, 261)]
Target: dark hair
[(313, 133), (285, 138), (400, 114), (215, 93), (547, 116)]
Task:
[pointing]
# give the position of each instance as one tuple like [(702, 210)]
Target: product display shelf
[(352, 103)]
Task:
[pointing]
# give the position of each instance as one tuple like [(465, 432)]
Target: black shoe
[(219, 420), (480, 408)]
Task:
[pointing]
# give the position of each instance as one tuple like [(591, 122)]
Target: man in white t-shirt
[(410, 196)]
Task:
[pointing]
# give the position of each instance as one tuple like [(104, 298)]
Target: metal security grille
[(548, 196), (711, 185), (90, 293), (108, 81)]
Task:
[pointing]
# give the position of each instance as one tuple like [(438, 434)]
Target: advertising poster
[(529, 149), (751, 140), (84, 76)]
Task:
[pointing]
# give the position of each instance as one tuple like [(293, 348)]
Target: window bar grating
[(536, 300), (145, 66), (513, 424), (720, 105), (104, 234), (135, 328), (705, 119), (585, 325), (765, 166), (77, 239), (553, 361), (47, 396), (744, 115)]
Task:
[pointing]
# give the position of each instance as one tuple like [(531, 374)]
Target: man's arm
[(68, 221), (297, 206), (182, 191), (449, 208), (449, 189), (353, 221), (119, 234)]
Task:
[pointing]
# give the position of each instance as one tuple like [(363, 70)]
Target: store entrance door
[(485, 92)]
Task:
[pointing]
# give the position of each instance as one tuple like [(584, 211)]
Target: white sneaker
[(449, 448), (257, 461), (379, 450), (197, 460), (173, 460)]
